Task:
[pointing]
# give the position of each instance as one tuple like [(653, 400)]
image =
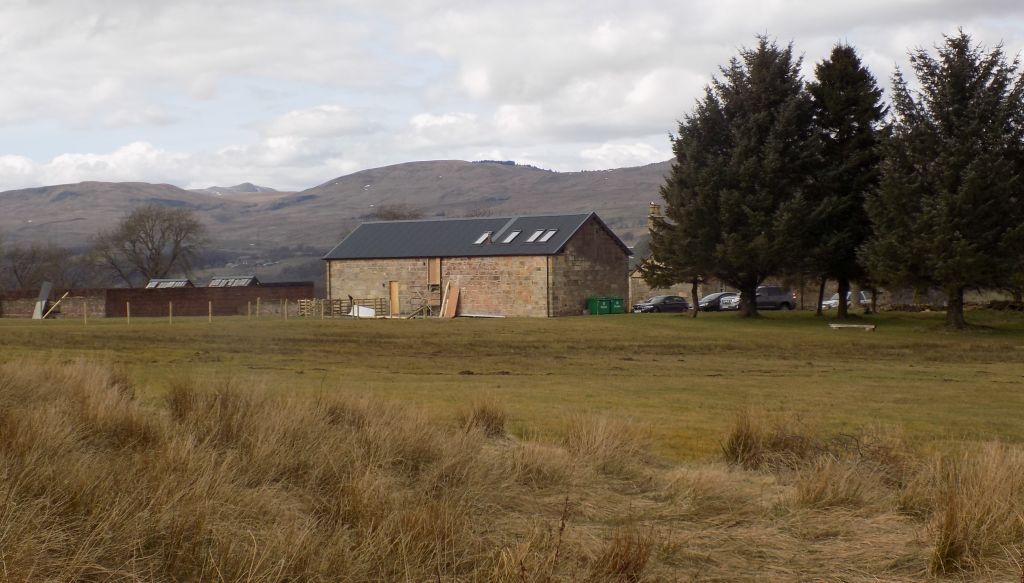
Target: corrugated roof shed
[(168, 283), (473, 237), (234, 281)]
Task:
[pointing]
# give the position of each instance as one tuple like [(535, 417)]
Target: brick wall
[(499, 286), (227, 301), (591, 264)]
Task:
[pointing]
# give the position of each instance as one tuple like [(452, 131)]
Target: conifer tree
[(848, 114), (739, 189), (949, 212)]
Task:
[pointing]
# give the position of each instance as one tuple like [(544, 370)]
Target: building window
[(547, 236), (536, 235), (484, 237), (511, 237)]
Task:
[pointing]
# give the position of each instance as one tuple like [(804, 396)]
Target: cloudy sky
[(292, 93)]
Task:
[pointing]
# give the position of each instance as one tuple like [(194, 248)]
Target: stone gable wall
[(592, 264)]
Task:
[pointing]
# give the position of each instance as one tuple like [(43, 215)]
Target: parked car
[(729, 303), (833, 302), (713, 302), (774, 297), (769, 297), (662, 304)]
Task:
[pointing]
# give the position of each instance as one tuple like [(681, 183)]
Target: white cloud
[(320, 121), (623, 155), (290, 93)]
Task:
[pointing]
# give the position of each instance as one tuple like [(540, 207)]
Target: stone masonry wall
[(591, 264), (21, 303), (368, 279), (499, 286)]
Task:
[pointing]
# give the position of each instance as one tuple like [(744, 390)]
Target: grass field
[(609, 450), (684, 378)]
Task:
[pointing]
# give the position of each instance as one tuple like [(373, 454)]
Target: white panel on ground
[(44, 295), (362, 312)]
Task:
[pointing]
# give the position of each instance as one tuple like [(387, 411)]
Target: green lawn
[(684, 377)]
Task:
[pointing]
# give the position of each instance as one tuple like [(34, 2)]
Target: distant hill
[(244, 216), (246, 191)]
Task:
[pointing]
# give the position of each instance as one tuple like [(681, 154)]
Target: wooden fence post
[(128, 312), (248, 310), (257, 308), (209, 312), (85, 312), (170, 312), (284, 308)]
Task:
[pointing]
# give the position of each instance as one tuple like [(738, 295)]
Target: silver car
[(833, 302)]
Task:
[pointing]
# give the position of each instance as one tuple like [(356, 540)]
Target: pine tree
[(949, 212), (739, 189), (848, 112)]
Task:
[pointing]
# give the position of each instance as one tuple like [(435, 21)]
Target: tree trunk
[(843, 310), (748, 301), (955, 309), (694, 293), (821, 294)]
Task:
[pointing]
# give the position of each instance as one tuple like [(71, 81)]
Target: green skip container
[(618, 305), (598, 305)]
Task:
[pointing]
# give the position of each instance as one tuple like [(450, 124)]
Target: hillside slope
[(70, 214)]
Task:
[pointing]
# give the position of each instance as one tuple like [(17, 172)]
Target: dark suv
[(773, 297)]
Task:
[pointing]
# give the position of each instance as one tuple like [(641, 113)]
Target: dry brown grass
[(226, 482), (486, 414)]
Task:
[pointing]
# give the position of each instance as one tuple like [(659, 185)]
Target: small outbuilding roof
[(234, 281), (168, 283), (472, 237)]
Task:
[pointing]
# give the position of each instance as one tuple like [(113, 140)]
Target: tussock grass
[(221, 481), (486, 414), (610, 444), (978, 507)]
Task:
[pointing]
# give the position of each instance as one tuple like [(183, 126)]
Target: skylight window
[(511, 237), (484, 237), (536, 235), (547, 236)]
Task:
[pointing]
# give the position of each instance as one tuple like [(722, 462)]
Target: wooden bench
[(864, 327)]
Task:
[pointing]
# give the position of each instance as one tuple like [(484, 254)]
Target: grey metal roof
[(457, 237), (168, 283), (641, 251), (234, 281)]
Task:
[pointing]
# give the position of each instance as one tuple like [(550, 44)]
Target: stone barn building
[(530, 266)]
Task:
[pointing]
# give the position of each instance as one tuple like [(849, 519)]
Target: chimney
[(653, 213)]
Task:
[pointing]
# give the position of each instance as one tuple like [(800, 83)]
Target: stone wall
[(591, 264), (639, 290), (499, 286), (516, 286), (22, 303), (368, 279)]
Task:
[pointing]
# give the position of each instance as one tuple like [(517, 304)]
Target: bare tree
[(152, 241), (397, 212), (27, 266)]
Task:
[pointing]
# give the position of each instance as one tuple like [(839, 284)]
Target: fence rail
[(341, 308)]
